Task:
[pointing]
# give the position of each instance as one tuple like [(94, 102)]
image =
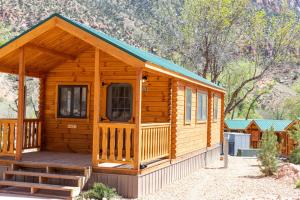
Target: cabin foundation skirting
[(134, 186)]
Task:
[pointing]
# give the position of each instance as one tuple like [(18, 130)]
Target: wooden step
[(34, 187), (80, 179), (48, 167)]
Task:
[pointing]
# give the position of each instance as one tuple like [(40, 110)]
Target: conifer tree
[(295, 135), (268, 153)]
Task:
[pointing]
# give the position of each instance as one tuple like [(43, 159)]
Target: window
[(216, 103), (188, 105), (119, 102), (201, 106), (72, 101)]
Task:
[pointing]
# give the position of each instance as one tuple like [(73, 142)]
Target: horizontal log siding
[(58, 137), (193, 136), (155, 99)]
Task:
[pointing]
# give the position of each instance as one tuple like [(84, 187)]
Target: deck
[(55, 158)]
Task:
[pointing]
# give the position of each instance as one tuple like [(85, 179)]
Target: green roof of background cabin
[(278, 125), (237, 124), (136, 52)]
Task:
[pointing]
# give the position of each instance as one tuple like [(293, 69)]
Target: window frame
[(200, 92), (57, 101), (107, 105), (215, 117), (185, 105)]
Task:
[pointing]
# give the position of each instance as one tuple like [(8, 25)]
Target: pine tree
[(295, 135), (268, 153)]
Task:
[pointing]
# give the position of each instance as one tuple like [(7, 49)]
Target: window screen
[(72, 101), (119, 102), (201, 106), (216, 105), (188, 105)]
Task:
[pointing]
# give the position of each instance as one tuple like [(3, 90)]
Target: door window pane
[(119, 102)]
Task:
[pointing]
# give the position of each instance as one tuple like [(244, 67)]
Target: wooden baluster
[(112, 144), (11, 137), (120, 143), (154, 142), (142, 145), (39, 135), (5, 138), (104, 143), (30, 142), (128, 143)]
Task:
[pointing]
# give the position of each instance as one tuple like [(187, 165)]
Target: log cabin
[(236, 125), (108, 112), (281, 128)]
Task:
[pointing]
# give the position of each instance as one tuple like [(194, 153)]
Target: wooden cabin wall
[(57, 136), (193, 136), (255, 135), (155, 99), (216, 123)]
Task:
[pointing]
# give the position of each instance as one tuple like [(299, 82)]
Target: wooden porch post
[(97, 86), (21, 105), (222, 119), (138, 119), (41, 116), (209, 117)]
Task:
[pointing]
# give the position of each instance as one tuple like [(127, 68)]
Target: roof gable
[(237, 124), (267, 124), (129, 49)]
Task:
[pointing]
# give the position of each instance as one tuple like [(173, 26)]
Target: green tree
[(295, 135), (268, 152)]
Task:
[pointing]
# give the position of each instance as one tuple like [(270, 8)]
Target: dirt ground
[(242, 180)]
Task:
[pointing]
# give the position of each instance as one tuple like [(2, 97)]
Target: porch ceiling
[(45, 52)]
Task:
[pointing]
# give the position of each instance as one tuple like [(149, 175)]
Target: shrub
[(298, 184), (268, 152), (295, 156), (295, 135), (100, 191)]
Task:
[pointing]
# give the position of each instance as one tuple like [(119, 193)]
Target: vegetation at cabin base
[(224, 33), (98, 192), (295, 135), (298, 184), (268, 152)]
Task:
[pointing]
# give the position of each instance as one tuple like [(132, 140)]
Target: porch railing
[(116, 142), (32, 134), (8, 129), (8, 132), (155, 141)]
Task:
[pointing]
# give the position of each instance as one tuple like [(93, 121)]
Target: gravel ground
[(242, 180)]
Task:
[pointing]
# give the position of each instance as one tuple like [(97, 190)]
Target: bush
[(298, 184), (295, 156), (268, 152), (100, 191), (295, 135)]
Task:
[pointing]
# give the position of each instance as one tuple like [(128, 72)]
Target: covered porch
[(51, 55)]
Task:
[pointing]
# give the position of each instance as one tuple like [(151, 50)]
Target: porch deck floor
[(61, 158)]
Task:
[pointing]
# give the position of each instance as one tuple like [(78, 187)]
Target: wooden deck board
[(56, 158)]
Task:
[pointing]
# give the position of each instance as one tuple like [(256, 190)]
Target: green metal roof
[(237, 124), (136, 52), (278, 125)]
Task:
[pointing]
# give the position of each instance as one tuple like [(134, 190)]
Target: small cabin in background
[(236, 125), (257, 127), (108, 112)]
